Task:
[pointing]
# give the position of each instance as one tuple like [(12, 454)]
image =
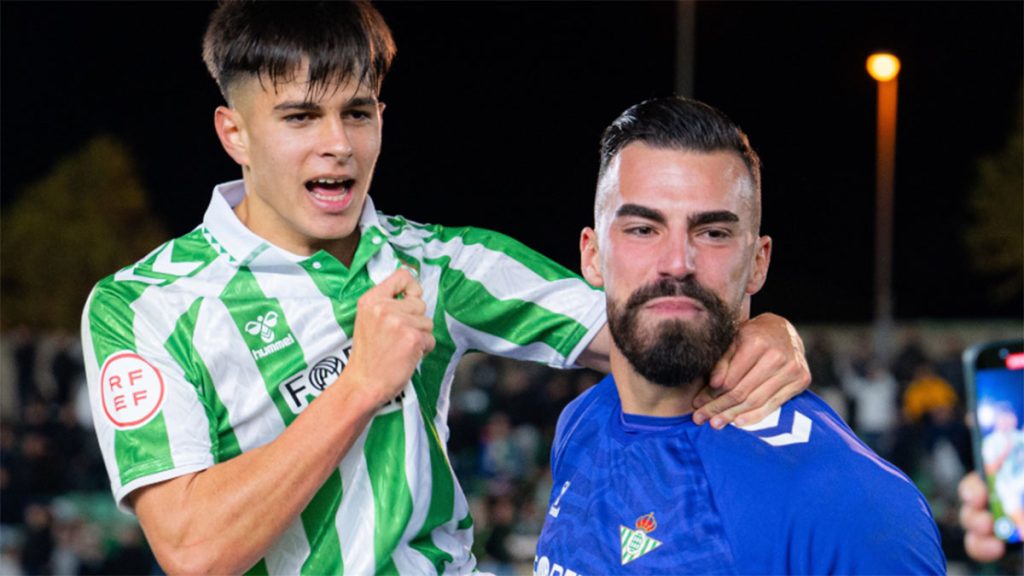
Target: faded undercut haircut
[(678, 123), (340, 41)]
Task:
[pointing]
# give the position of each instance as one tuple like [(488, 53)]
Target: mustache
[(684, 286)]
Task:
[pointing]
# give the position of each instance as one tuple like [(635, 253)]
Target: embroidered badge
[(636, 543), (131, 390)]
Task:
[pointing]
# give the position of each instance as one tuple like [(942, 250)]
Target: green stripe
[(143, 451), (518, 321), (253, 312), (251, 308), (318, 520), (330, 279), (181, 346), (111, 317), (466, 522), (392, 501), (260, 569), (510, 247), (146, 449), (442, 502)]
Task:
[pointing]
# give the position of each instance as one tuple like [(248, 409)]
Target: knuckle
[(736, 395)]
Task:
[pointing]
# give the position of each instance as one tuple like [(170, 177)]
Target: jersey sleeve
[(503, 298), (150, 421)]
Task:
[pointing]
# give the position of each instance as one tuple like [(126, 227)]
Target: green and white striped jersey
[(216, 341)]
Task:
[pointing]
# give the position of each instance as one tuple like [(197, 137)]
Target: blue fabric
[(727, 502)]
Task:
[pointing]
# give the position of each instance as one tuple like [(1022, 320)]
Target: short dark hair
[(678, 123), (340, 40)]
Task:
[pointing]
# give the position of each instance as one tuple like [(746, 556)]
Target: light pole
[(884, 68)]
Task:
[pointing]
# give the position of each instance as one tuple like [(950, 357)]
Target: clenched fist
[(391, 336)]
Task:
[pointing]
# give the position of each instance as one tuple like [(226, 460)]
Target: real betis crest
[(636, 543)]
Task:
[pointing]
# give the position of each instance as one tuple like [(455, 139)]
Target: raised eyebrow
[(713, 217), (361, 101), (640, 211)]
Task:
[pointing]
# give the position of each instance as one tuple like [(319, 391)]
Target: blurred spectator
[(12, 493), (66, 367), (928, 395), (10, 551), (501, 512), (932, 408), (514, 396), (38, 547), (874, 393), (910, 356), (950, 364), (501, 457), (821, 358), (132, 555), (825, 381), (25, 363)]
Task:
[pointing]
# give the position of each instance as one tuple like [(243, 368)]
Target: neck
[(643, 397)]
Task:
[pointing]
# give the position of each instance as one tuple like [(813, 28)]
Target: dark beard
[(674, 352)]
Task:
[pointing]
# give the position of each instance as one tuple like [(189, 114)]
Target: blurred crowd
[(57, 515)]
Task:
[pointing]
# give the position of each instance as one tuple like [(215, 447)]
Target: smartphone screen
[(995, 380)]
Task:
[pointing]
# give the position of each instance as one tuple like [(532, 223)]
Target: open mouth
[(330, 189)]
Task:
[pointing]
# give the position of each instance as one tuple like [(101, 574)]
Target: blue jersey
[(795, 493)]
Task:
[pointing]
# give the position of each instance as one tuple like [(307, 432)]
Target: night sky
[(494, 111)]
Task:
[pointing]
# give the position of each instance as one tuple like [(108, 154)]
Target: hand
[(391, 336), (979, 540), (764, 367)]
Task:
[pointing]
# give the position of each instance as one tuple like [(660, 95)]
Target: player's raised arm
[(223, 519)]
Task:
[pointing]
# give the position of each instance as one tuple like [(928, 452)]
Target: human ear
[(230, 127), (590, 263), (759, 271)]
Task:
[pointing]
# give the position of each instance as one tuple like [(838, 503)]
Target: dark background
[(495, 110)]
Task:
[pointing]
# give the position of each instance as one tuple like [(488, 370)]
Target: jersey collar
[(229, 236)]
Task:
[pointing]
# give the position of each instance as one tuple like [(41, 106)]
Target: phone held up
[(994, 374)]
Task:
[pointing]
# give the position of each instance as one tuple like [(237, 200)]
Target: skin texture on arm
[(763, 368), (223, 520)]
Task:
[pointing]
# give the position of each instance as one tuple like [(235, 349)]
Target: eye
[(298, 118), (639, 230), (360, 114), (717, 234)]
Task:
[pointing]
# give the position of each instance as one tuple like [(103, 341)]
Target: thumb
[(399, 282)]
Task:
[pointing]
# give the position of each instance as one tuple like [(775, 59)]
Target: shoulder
[(465, 245), (804, 473), (585, 410), (153, 278), (175, 259)]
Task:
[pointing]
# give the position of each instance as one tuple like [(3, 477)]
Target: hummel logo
[(262, 326)]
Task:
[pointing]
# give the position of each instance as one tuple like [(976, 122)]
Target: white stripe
[(536, 352), (355, 521), (457, 543), (104, 432), (306, 309), (505, 277), (251, 413), (157, 312), (418, 475)]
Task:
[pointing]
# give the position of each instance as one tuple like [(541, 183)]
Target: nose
[(677, 256), (334, 140)]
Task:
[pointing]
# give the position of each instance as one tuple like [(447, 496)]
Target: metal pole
[(886, 162), (686, 14)]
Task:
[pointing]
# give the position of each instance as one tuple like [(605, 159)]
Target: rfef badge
[(636, 543)]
